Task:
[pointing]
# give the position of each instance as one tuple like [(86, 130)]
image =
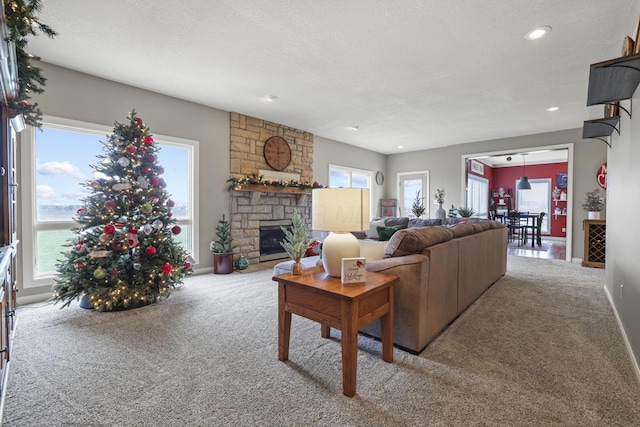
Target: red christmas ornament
[(170, 203), (187, 265), (110, 204), (119, 225), (145, 170), (138, 121), (80, 265), (176, 229), (150, 250), (154, 181), (147, 140), (169, 214), (166, 268), (151, 158), (81, 210), (109, 229), (118, 246), (131, 149), (25, 104)]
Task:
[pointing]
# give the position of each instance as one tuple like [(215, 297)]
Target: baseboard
[(634, 361)]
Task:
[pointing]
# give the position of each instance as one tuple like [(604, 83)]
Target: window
[(478, 195), (536, 200), (57, 161), (340, 176)]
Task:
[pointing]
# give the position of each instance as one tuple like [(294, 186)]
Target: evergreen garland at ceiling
[(21, 21)]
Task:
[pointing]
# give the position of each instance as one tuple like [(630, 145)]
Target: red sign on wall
[(601, 176)]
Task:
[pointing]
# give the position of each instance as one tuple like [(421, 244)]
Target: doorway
[(535, 155)]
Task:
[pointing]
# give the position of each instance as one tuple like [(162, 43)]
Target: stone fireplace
[(252, 205)]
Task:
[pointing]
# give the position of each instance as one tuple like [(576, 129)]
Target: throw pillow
[(385, 233), (373, 229), (313, 249)]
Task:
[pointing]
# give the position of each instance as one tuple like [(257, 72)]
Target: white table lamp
[(341, 211)]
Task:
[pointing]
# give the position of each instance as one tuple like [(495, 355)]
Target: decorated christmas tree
[(124, 255)]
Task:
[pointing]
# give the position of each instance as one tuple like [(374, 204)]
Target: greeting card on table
[(354, 270)]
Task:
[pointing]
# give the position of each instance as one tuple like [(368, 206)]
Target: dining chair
[(515, 227)]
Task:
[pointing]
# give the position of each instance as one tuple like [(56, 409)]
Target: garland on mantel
[(259, 180)]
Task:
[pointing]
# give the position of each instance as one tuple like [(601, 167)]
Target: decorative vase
[(297, 267), (594, 215), (440, 213)]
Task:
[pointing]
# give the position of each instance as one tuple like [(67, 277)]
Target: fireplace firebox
[(270, 237)]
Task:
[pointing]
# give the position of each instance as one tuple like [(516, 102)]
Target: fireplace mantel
[(257, 191)]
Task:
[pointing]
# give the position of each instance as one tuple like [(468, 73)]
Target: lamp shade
[(340, 209), (524, 183)]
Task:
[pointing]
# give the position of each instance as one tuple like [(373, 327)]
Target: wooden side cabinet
[(595, 242)]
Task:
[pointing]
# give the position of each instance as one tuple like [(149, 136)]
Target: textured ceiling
[(421, 74)]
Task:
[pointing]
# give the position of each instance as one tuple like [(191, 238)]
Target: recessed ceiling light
[(401, 146), (355, 127), (537, 33), (270, 98), (552, 109)]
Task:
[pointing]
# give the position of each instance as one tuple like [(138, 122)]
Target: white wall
[(623, 200)]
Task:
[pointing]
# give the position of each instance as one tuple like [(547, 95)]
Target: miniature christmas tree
[(417, 207), (124, 255)]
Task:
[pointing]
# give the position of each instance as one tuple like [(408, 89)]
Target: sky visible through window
[(63, 163)]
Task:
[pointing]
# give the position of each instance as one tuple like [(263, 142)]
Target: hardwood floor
[(550, 249)]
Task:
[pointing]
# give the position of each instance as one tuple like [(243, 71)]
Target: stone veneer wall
[(248, 136)]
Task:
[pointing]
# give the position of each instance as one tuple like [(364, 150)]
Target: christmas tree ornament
[(118, 246), (148, 229), (95, 184), (138, 121), (147, 140), (150, 250), (124, 162), (157, 224), (143, 182), (80, 265), (137, 266), (145, 170), (170, 203), (150, 158), (132, 238), (99, 254), (155, 181), (176, 229), (110, 204), (99, 273), (109, 229), (121, 186), (131, 149), (166, 268), (146, 208), (103, 237)]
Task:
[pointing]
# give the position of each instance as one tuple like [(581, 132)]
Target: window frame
[(349, 170), (30, 226)]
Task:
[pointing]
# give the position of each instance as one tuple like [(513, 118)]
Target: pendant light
[(524, 183)]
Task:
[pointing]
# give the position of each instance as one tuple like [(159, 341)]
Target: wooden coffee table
[(346, 307)]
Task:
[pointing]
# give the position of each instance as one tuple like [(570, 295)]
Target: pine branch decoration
[(296, 241)]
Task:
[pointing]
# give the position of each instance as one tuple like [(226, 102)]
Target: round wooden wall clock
[(277, 153)]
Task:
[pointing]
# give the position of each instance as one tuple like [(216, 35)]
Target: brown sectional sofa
[(443, 269)]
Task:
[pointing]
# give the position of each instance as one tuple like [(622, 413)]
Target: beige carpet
[(540, 348)]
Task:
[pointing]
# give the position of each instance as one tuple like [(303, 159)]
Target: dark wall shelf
[(613, 80), (600, 127)]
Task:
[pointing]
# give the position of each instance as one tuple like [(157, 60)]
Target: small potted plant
[(296, 241), (418, 208), (593, 204), (465, 212), (222, 248)]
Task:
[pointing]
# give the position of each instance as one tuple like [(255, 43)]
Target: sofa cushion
[(496, 224), (359, 234), (481, 225), (373, 228), (313, 249), (372, 250), (461, 229), (413, 240), (417, 222), (403, 221), (385, 233)]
